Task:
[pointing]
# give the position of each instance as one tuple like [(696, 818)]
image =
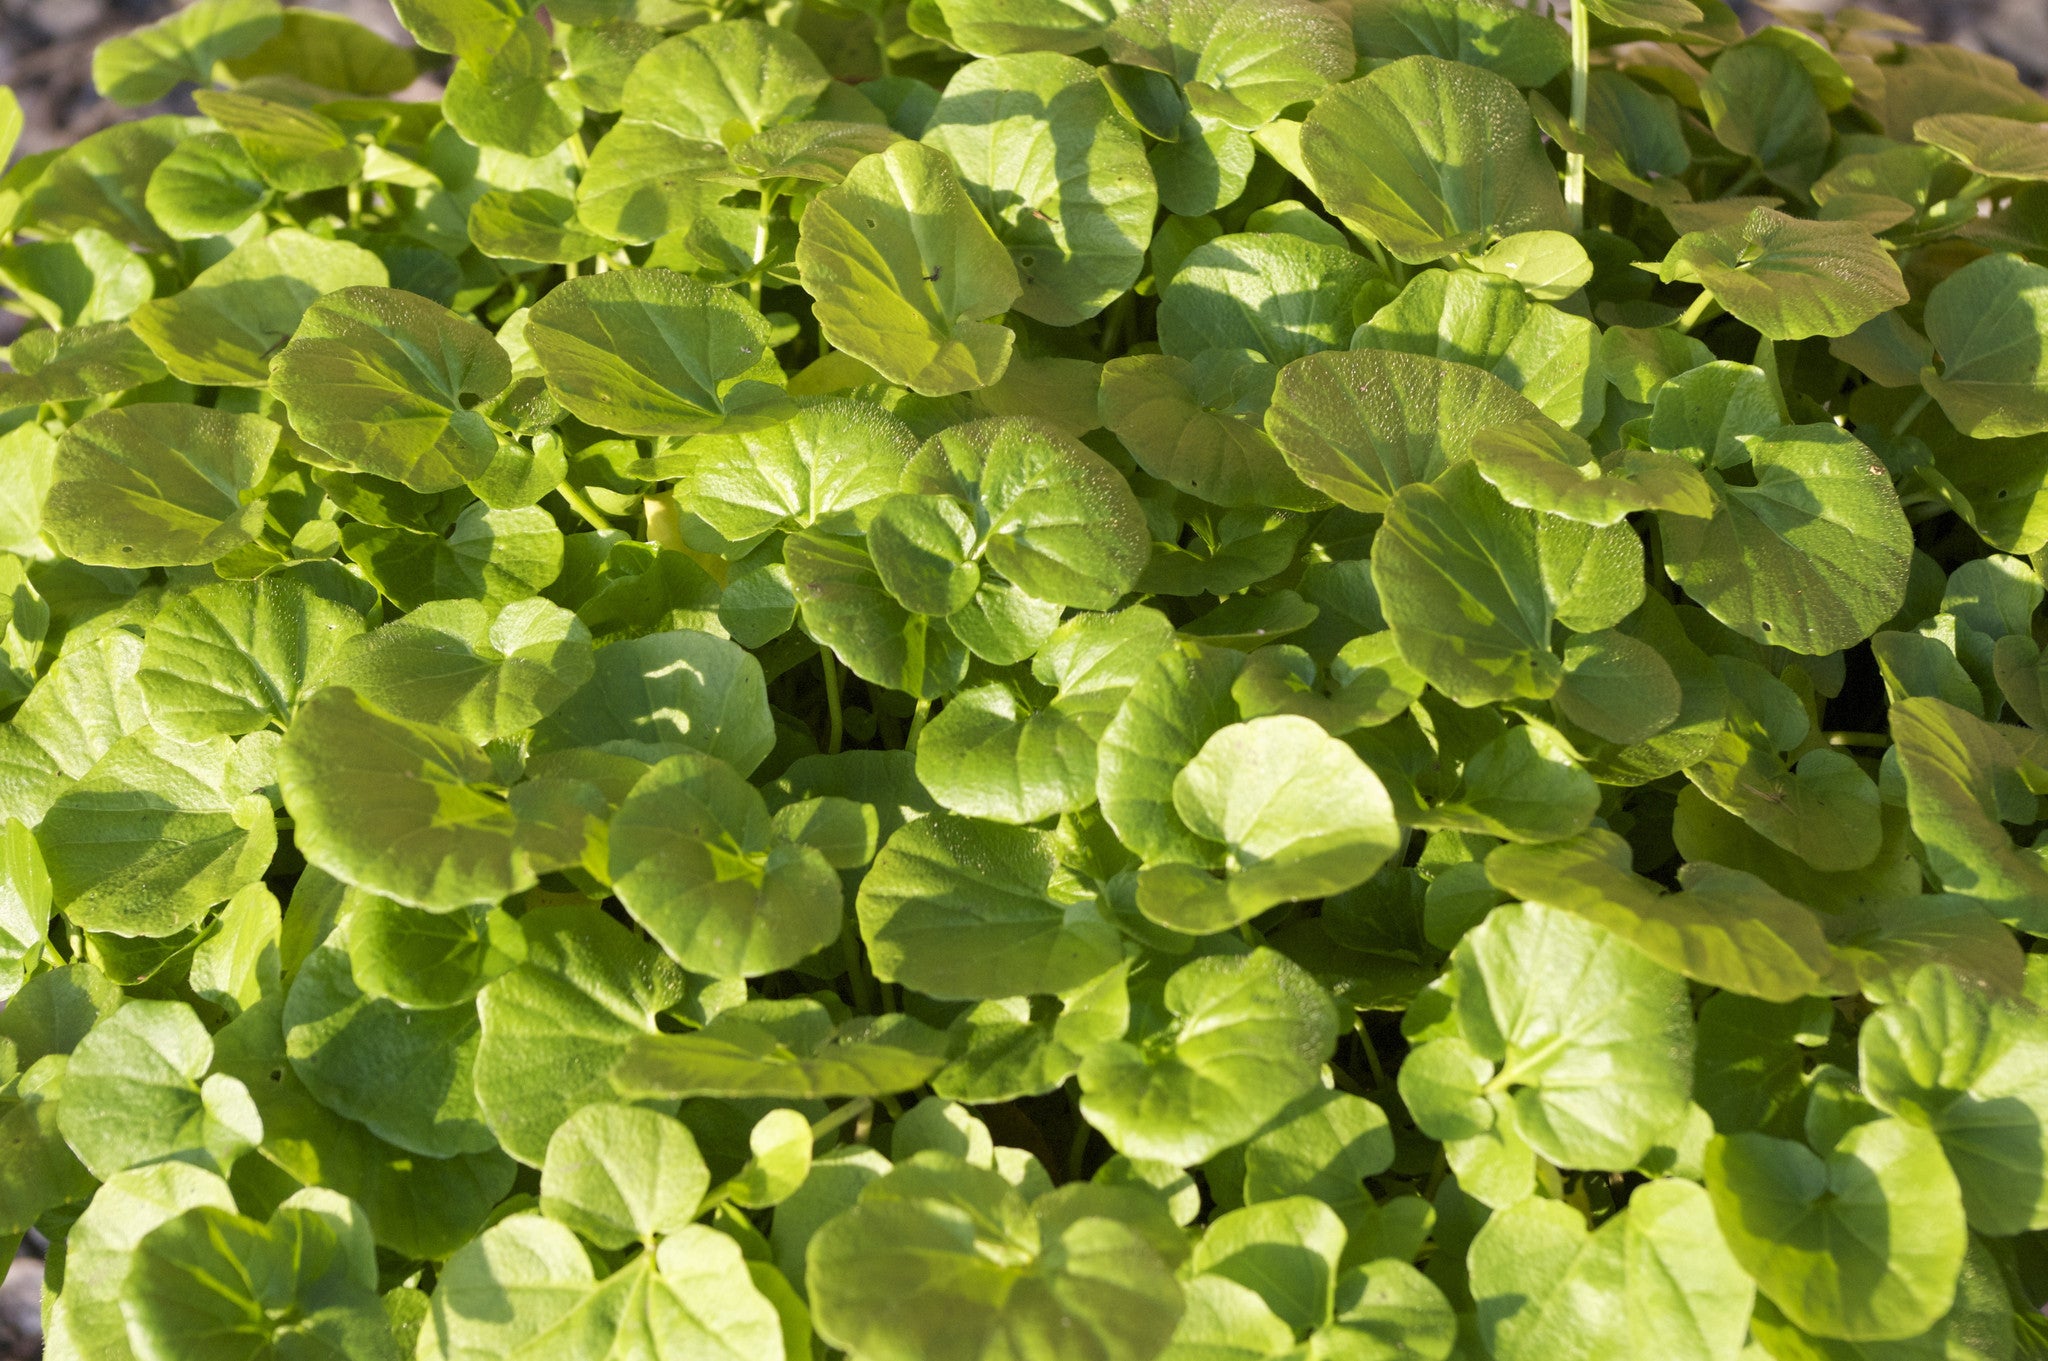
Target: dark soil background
[(46, 57)]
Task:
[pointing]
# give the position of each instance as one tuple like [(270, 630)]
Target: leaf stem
[(835, 716), (924, 711), (857, 969), (881, 28), (1859, 739), (852, 1110), (1912, 413), (580, 503), (1582, 70), (355, 202), (1695, 313), (1372, 1055)]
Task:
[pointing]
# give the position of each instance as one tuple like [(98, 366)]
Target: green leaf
[(1360, 425), (1812, 557), (1974, 1069), (81, 362), (787, 1049), (1494, 35), (1272, 293), (1299, 816), (1863, 1244), (24, 906), (620, 1175), (1547, 355), (1762, 104), (1430, 158), (496, 556), (158, 484), (943, 1261), (1050, 514), (1471, 586), (1240, 1039), (553, 1026), (1061, 180), (825, 467), (458, 665), (1578, 1043), (138, 1093), (100, 1249), (332, 53), (1174, 706), (989, 754), (400, 809), (847, 609), (1541, 466), (297, 150), (1959, 774), (695, 860), (1656, 1278), (532, 224), (1789, 278), (154, 834), (426, 961), (207, 187), (1725, 928), (304, 1282), (644, 182), (382, 381), (724, 82), (650, 352), (2000, 148), (1986, 321), (1704, 414), (527, 1284), (1197, 425), (654, 694), (238, 657), (954, 907), (904, 273), (403, 1072), (1522, 785), (1239, 63), (143, 66), (237, 312)]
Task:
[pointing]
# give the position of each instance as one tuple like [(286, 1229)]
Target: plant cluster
[(1030, 680)]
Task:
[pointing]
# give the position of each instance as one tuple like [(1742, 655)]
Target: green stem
[(1077, 1150), (852, 1110), (1748, 177), (355, 202), (1582, 68), (881, 44), (924, 711), (1372, 1055), (1905, 422), (857, 970), (1859, 739), (835, 716), (579, 503), (1695, 313)]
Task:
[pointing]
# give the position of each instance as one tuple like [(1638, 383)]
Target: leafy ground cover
[(1202, 679)]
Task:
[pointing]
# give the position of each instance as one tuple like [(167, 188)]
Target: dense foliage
[(1030, 680)]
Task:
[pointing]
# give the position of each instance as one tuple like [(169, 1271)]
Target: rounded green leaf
[(158, 484), (847, 609), (206, 187), (1197, 424), (457, 665), (954, 907), (554, 1026), (1864, 1244), (651, 695), (1494, 35), (1359, 425), (1986, 321), (1241, 1038), (904, 273), (405, 1073), (1726, 928), (382, 381), (1049, 513), (1791, 278), (1272, 293), (788, 1049), (1060, 178), (237, 657), (943, 1261), (426, 961), (1431, 157), (299, 150), (824, 467), (695, 860), (723, 82), (651, 352), (1173, 707), (1656, 1279), (154, 834), (1974, 1069), (137, 1092), (401, 809), (620, 1175), (1811, 557), (225, 328), (142, 66)]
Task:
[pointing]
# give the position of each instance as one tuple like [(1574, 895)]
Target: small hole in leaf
[(1027, 261), (1767, 626)]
